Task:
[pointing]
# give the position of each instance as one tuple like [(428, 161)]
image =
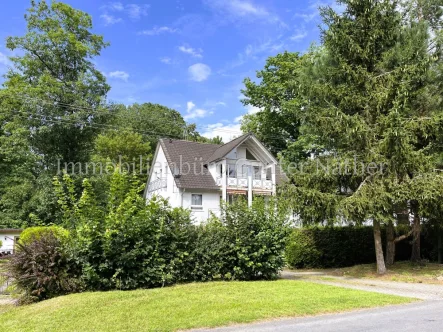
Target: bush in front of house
[(126, 244), (34, 233), (42, 267), (129, 244), (244, 243)]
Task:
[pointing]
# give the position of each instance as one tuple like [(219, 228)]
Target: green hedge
[(34, 233), (346, 246)]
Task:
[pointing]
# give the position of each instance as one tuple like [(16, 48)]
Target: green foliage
[(35, 233), (330, 247), (370, 93), (125, 144), (154, 121), (275, 124), (126, 244), (52, 100), (129, 244), (333, 247), (42, 267), (54, 78), (244, 244)]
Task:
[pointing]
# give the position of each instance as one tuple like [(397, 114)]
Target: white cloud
[(194, 113), (136, 11), (189, 106), (243, 9), (299, 35), (4, 59), (167, 60), (307, 17), (199, 72), (239, 7), (228, 131), (114, 6), (157, 31), (110, 20), (189, 50), (133, 11), (118, 74)]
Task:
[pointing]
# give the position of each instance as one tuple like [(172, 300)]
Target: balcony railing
[(242, 182), (262, 184), (157, 185), (238, 182)]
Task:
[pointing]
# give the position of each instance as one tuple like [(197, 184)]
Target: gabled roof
[(198, 156), (183, 153), (226, 148)]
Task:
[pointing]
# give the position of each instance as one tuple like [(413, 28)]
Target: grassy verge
[(188, 306), (401, 271)]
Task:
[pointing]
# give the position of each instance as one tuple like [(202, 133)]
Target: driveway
[(422, 316), (416, 290)]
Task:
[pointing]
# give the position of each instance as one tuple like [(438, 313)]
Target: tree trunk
[(440, 247), (390, 244), (416, 232), (381, 267)]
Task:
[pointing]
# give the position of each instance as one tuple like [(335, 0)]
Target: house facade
[(199, 176), (8, 239)]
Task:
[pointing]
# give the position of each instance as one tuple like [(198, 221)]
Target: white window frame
[(196, 207)]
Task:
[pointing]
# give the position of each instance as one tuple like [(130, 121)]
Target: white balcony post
[(224, 181), (274, 181), (250, 186)]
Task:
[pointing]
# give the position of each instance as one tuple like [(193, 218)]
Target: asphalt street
[(422, 316)]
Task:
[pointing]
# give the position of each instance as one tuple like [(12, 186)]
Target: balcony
[(242, 183), (157, 185)]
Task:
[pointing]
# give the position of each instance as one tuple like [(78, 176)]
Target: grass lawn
[(188, 306), (401, 271)]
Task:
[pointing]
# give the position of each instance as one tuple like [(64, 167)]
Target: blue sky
[(190, 55)]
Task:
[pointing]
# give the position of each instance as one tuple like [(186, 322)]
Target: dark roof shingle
[(223, 150), (194, 154), (180, 154)]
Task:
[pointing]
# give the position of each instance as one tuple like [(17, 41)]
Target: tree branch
[(403, 237)]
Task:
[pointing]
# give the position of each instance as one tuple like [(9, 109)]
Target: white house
[(198, 176), (8, 238)]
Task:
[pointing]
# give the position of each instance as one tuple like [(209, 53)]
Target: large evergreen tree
[(371, 95)]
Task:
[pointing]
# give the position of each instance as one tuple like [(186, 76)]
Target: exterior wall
[(211, 198), (8, 241), (210, 201), (168, 189)]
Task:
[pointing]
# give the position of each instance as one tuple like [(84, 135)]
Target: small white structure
[(9, 237), (199, 176)]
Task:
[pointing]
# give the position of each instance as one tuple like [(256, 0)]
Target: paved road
[(424, 317)]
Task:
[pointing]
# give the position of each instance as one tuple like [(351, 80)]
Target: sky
[(189, 55)]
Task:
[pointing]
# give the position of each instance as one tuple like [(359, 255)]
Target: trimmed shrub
[(42, 268), (129, 244), (34, 233), (244, 244), (336, 247)]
